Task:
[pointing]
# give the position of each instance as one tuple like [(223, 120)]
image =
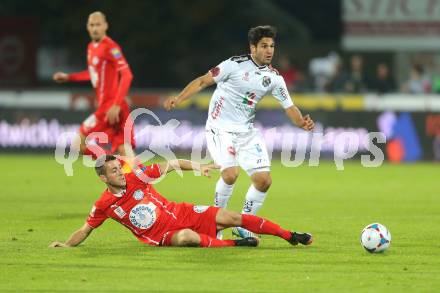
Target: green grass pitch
[(40, 204)]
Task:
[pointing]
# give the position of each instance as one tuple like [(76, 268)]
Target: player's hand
[(205, 169), (57, 244), (112, 115), (307, 123), (60, 77), (170, 103)]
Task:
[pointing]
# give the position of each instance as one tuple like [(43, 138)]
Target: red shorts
[(115, 133), (198, 218)]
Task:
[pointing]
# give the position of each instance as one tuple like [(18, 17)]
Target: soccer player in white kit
[(233, 142)]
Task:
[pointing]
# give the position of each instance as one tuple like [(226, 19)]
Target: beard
[(262, 60), (118, 185)]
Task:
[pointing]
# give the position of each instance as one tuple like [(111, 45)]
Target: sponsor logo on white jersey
[(217, 108)]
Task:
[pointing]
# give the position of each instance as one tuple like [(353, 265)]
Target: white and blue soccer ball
[(375, 238)]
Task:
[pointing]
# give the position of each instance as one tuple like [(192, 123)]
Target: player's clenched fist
[(60, 77), (308, 123), (170, 103)]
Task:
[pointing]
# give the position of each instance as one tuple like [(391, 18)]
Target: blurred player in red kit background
[(111, 77)]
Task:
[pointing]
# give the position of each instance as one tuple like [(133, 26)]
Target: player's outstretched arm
[(187, 165), (304, 122), (192, 88), (61, 77), (76, 238)]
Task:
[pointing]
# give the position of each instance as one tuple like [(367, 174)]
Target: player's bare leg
[(255, 197), (185, 237), (224, 188), (190, 238), (261, 181), (226, 219), (79, 143)]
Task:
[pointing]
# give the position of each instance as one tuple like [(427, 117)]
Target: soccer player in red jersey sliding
[(111, 77), (131, 200)]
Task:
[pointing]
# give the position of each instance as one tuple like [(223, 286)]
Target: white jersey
[(241, 84)]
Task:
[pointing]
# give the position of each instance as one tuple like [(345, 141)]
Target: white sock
[(254, 201), (223, 192)]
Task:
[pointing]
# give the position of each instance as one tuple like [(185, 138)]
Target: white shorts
[(244, 149)]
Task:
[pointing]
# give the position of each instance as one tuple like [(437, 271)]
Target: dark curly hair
[(255, 34)]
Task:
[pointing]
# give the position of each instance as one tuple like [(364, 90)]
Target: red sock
[(206, 241), (262, 226)]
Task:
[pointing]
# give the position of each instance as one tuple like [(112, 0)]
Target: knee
[(262, 183), (187, 237), (229, 176), (231, 219), (226, 219), (235, 219)]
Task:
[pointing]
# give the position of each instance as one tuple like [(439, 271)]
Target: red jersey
[(139, 207), (108, 72)]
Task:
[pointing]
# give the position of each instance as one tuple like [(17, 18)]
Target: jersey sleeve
[(96, 218), (152, 171), (79, 76), (146, 174), (115, 56), (222, 71), (281, 93)]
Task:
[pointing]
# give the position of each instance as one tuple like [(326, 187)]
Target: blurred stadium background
[(363, 65)]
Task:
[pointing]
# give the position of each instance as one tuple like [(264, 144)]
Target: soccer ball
[(375, 238)]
